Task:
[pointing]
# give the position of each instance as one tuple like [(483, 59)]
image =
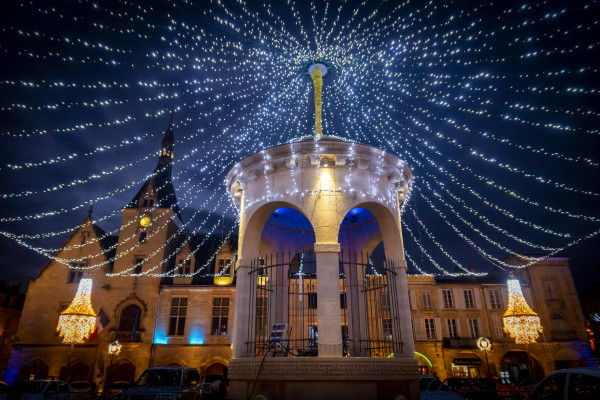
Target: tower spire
[(165, 158)]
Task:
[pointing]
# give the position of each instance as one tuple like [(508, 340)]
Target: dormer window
[(223, 267), (184, 267)]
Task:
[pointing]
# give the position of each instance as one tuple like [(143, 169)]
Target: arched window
[(558, 322), (130, 318)]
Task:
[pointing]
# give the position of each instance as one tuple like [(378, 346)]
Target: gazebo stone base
[(320, 378)]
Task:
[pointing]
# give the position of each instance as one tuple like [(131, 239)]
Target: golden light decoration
[(484, 344), (78, 321), (520, 321), (114, 348)]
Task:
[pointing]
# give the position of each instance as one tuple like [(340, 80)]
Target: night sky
[(494, 105)]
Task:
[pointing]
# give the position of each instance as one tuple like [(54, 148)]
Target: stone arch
[(215, 365), (373, 242), (250, 244), (512, 361), (38, 368), (568, 358), (77, 370), (123, 370)]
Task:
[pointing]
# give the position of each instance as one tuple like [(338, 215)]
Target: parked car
[(569, 384), (3, 387), (116, 388), (459, 385), (213, 386), (82, 386), (432, 388), (505, 387), (165, 383), (40, 389)]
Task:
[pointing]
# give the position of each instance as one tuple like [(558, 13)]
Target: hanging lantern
[(78, 321), (520, 321)]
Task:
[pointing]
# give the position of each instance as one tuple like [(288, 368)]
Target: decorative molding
[(328, 369), (327, 247)]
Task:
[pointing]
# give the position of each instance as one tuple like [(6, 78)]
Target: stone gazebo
[(322, 308)]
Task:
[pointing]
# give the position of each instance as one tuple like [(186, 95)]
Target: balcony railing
[(564, 336), (459, 343), (125, 336)]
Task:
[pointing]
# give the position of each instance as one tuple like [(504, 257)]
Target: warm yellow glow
[(484, 344), (262, 280), (326, 181), (114, 348), (317, 77), (520, 321), (223, 280), (78, 321), (145, 221)]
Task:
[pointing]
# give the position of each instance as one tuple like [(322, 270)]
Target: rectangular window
[(448, 303), (184, 267), (469, 302), (473, 327), (142, 237), (343, 304), (551, 290), (177, 317), (386, 324), (495, 301), (74, 275), (312, 300), (452, 327), (426, 299), (138, 265), (498, 327), (223, 267), (220, 315), (412, 325), (430, 328)]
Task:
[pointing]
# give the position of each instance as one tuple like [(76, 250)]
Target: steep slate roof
[(108, 244), (160, 180)]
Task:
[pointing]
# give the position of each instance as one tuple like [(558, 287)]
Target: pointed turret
[(165, 158), (158, 191)]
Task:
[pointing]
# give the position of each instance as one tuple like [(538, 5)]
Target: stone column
[(243, 318), (328, 299)]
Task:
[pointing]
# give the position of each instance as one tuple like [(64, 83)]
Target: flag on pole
[(101, 322)]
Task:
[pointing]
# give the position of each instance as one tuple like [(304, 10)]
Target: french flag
[(101, 323)]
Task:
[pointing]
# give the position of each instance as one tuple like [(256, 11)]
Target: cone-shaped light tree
[(78, 321), (520, 321)]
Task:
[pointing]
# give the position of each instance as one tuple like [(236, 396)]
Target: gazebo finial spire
[(317, 71)]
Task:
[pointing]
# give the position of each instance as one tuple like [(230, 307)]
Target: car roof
[(594, 371)]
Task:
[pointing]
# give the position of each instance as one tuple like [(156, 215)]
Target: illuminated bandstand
[(322, 307)]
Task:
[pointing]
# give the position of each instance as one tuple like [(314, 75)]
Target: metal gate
[(283, 293)]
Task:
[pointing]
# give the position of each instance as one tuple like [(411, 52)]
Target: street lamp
[(113, 350), (485, 345)]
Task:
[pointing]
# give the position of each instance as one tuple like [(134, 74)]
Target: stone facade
[(450, 314)]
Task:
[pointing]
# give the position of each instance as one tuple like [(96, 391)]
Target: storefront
[(466, 365)]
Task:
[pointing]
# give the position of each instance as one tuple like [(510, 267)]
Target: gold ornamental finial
[(316, 72)]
